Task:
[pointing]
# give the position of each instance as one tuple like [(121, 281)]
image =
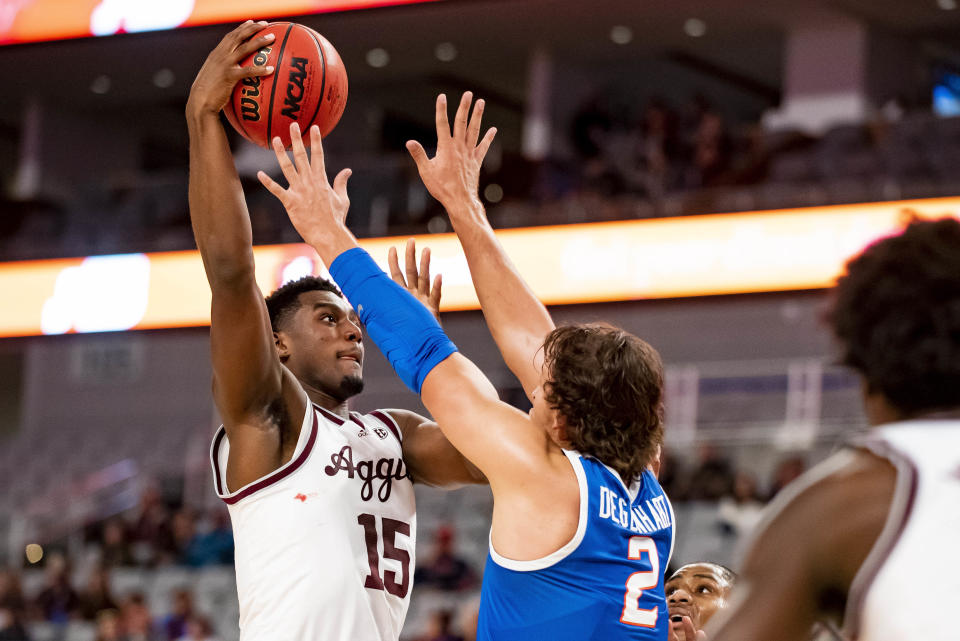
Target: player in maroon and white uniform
[(867, 541), (321, 498)]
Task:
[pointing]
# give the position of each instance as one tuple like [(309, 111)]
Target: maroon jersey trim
[(387, 420), (271, 478), (330, 416), (901, 507)]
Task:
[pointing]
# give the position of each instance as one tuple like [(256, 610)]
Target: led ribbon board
[(602, 262), (34, 20)]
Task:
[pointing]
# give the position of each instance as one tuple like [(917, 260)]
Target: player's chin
[(351, 385)]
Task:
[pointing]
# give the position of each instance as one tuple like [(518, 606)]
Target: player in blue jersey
[(582, 531)]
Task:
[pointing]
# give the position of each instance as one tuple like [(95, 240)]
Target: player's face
[(696, 591), (540, 411), (325, 345)]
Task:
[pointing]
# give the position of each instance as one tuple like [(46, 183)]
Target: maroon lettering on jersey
[(385, 470)]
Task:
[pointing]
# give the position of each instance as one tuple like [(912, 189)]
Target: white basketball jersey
[(325, 544), (913, 570)]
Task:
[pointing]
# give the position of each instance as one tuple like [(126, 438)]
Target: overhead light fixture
[(947, 5), (164, 78), (695, 27), (378, 58), (445, 52), (621, 34), (493, 193), (100, 85)]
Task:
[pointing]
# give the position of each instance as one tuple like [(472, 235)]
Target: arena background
[(662, 116)]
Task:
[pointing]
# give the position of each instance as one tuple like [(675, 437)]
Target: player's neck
[(328, 402)]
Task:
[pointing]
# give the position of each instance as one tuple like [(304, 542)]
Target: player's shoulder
[(831, 515)]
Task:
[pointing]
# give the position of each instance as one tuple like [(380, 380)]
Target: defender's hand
[(214, 83), (417, 282), (317, 210), (452, 176)]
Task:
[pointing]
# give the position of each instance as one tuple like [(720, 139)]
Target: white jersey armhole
[(901, 506), (220, 452), (571, 545)]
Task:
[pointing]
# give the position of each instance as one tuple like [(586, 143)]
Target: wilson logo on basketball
[(298, 73), (249, 107)]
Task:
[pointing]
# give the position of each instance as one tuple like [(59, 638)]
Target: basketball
[(308, 86)]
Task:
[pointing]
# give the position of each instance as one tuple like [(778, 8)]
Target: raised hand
[(452, 176), (317, 210), (686, 632), (417, 282), (221, 70)]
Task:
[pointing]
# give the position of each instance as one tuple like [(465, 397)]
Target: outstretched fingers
[(484, 146), (473, 128), (317, 160), (289, 171), (443, 125), (423, 282), (254, 44), (435, 293), (417, 153), (300, 158), (463, 113), (411, 263), (272, 186), (394, 264)]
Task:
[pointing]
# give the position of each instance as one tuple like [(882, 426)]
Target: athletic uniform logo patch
[(379, 431)]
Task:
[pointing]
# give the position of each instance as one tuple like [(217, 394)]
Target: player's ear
[(559, 430), (282, 350)]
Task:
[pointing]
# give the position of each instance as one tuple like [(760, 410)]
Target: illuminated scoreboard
[(34, 20), (762, 251)]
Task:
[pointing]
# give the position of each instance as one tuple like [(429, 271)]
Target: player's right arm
[(248, 379), (518, 321), (809, 549)]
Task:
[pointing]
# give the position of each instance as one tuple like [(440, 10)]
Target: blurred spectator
[(214, 545), (97, 597), (658, 147), (57, 602), (198, 629), (444, 570), (467, 619), (174, 625), (713, 478), (439, 627), (740, 513), (150, 532), (114, 547), (108, 626), (788, 470), (136, 620), (711, 149), (184, 528), (12, 607)]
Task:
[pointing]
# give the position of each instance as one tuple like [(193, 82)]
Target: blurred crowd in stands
[(155, 536), (657, 160)]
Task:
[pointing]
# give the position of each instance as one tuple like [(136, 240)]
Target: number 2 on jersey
[(391, 528), (633, 614)]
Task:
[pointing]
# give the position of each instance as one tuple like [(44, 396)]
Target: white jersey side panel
[(325, 544), (914, 568)]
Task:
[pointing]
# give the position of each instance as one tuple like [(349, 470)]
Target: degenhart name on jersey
[(636, 519), (385, 470)]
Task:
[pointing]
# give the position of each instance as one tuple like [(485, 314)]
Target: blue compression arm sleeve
[(404, 330)]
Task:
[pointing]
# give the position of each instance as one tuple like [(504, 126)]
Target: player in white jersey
[(320, 498), (868, 540)]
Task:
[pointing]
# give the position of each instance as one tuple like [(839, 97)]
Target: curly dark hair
[(285, 300), (896, 313), (608, 386)]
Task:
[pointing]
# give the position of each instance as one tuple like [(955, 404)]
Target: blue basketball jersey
[(605, 584)]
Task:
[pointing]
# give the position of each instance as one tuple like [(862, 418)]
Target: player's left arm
[(800, 567), (429, 456)]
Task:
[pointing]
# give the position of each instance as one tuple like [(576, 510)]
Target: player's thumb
[(340, 182), (417, 153)]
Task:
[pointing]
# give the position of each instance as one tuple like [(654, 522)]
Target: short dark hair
[(285, 300), (725, 573), (896, 313), (608, 385)]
